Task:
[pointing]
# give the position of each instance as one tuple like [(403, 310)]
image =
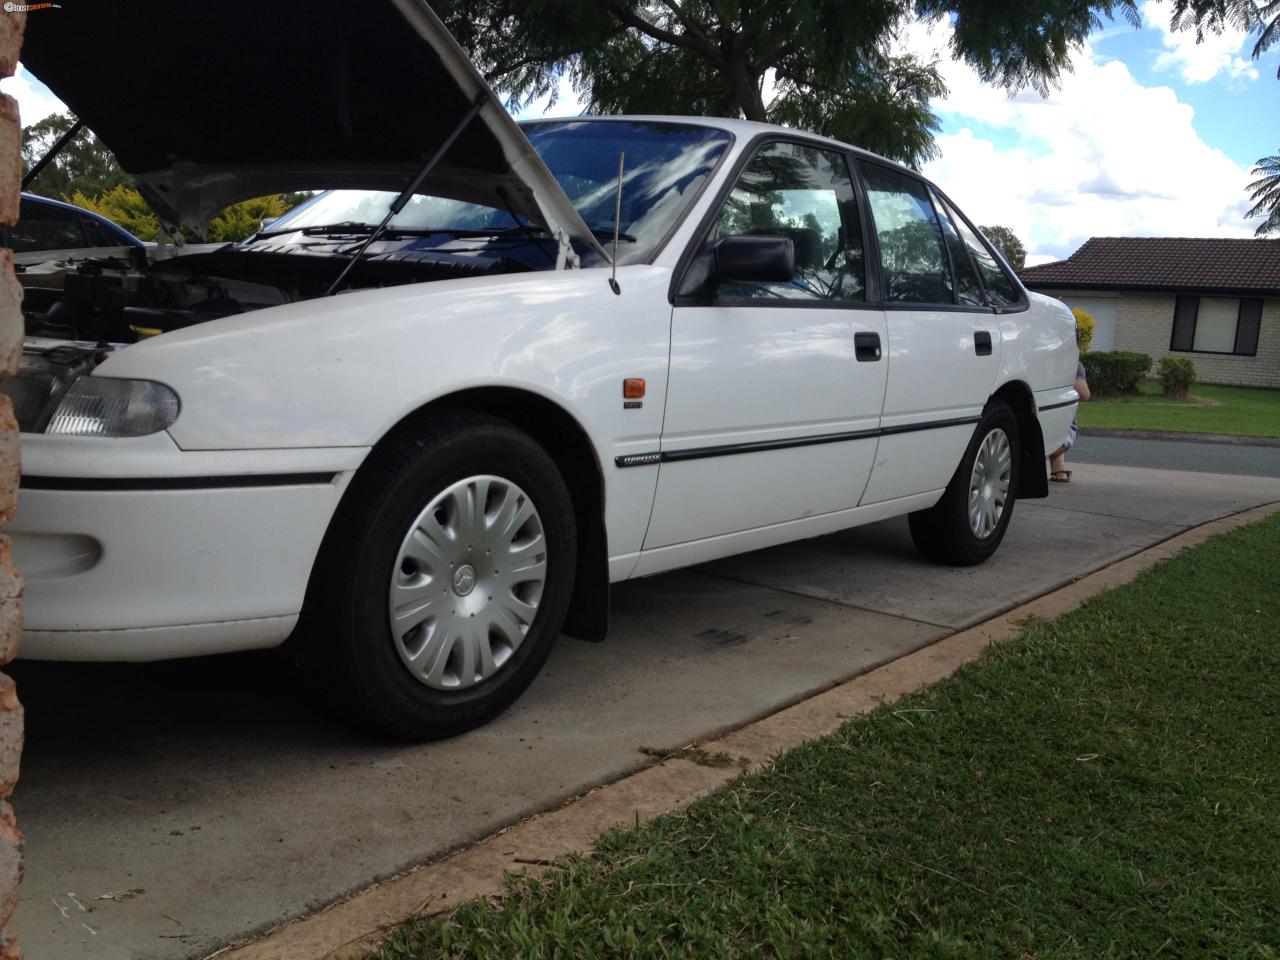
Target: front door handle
[(982, 343), (866, 347)]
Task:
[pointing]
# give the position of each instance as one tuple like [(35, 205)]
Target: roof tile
[(1164, 263)]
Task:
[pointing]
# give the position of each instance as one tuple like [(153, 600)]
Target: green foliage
[(242, 219), (1084, 328), (1118, 371), (1176, 375), (122, 205), (125, 206), (1265, 194), (830, 60), (84, 166), (1008, 243)]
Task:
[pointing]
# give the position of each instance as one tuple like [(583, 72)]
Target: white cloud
[(1102, 155), (1217, 53), (35, 101)]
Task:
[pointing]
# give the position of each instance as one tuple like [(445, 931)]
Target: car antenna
[(410, 189), (617, 224)]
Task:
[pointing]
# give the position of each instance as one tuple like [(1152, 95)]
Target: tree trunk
[(746, 90)]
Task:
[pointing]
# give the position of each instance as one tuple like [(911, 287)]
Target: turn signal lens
[(633, 389), (107, 407)]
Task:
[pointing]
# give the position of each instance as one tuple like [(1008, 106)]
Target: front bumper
[(146, 552)]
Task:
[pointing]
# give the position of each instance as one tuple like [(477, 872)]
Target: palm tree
[(1265, 194), (1269, 22)]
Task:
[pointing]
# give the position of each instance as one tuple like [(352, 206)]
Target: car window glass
[(968, 289), (43, 227), (911, 251), (806, 195), (1001, 291), (101, 235)]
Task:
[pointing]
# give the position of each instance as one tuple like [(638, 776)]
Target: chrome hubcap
[(467, 582), (989, 483)]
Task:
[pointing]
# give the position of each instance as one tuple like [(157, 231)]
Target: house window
[(1216, 325)]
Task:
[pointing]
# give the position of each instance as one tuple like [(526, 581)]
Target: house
[(1216, 302)]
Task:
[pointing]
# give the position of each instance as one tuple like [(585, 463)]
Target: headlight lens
[(107, 407)]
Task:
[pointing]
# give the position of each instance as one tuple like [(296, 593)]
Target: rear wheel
[(966, 526), (445, 580)]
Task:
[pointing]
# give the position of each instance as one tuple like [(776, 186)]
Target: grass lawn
[(1105, 785), (1240, 411)]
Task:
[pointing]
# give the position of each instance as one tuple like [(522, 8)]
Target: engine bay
[(116, 300)]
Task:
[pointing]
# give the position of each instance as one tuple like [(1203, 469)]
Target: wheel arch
[(1033, 480), (563, 437)]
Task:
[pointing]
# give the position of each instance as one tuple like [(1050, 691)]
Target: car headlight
[(109, 407)]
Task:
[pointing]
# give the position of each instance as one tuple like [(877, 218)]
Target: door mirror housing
[(753, 259), (739, 259)]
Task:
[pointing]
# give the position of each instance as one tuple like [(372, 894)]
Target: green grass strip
[(1105, 785), (1234, 411)]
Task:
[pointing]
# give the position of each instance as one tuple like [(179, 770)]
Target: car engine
[(118, 301)]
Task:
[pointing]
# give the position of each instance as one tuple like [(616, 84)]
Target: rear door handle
[(866, 347), (982, 343)]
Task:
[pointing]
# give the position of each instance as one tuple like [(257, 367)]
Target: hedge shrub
[(1116, 371), (1176, 374), (1084, 328)]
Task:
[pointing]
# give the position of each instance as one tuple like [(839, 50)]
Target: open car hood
[(207, 104)]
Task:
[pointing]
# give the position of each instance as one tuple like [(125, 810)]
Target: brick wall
[(11, 719), (1144, 323)]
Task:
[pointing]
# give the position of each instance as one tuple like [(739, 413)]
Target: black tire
[(942, 533), (346, 644)]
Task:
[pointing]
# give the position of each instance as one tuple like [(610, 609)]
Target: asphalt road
[(1178, 455), (170, 809)]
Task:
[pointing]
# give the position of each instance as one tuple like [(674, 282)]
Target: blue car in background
[(52, 230)]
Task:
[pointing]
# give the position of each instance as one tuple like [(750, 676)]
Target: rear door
[(775, 389), (943, 340)]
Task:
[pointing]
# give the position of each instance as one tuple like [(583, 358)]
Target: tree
[(1009, 245), (1265, 194), (125, 206), (830, 62), (84, 165), (1250, 15), (1213, 16)]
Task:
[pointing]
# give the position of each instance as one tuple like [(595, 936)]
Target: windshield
[(666, 165)]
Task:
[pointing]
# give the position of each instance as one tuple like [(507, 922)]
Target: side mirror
[(739, 259), (266, 222), (753, 259)]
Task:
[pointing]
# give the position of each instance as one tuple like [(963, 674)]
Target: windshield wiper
[(606, 233)]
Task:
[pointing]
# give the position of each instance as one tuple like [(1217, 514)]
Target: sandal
[(1060, 476)]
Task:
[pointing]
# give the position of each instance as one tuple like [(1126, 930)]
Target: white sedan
[(422, 422)]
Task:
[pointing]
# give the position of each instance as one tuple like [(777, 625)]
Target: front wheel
[(966, 526), (445, 580)]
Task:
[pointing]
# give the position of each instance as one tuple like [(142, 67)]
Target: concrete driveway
[(172, 808)]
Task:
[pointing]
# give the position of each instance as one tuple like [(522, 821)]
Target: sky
[(1149, 134)]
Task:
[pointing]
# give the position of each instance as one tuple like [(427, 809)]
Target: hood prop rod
[(51, 153), (407, 193)]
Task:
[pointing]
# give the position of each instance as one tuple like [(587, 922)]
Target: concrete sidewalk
[(231, 807)]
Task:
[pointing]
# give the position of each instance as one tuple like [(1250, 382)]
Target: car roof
[(744, 130), (71, 207)]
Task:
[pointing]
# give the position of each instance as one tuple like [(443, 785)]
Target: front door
[(775, 389)]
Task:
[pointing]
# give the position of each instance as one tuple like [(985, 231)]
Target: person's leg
[(1058, 465)]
